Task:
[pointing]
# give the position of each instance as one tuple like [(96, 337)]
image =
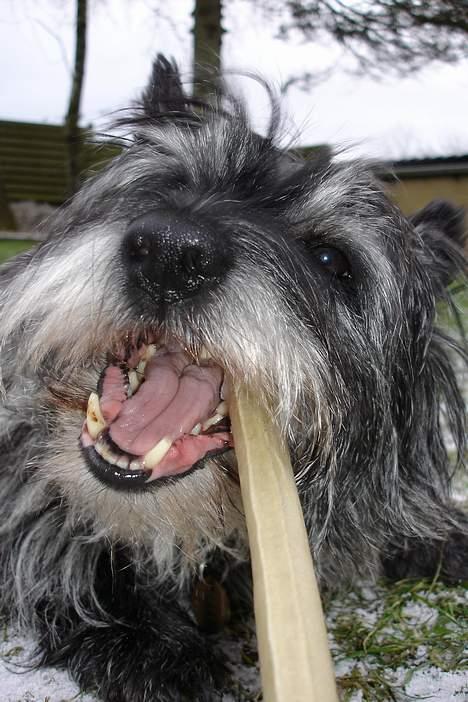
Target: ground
[(396, 643)]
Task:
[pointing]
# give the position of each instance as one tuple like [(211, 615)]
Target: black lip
[(135, 480), (113, 476)]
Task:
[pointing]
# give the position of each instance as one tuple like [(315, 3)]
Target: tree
[(207, 39), (72, 130), (397, 35), (382, 35)]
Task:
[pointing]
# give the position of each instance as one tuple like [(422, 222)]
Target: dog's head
[(205, 255)]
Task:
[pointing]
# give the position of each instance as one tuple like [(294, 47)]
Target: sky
[(425, 115)]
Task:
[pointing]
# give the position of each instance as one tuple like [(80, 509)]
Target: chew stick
[(295, 661)]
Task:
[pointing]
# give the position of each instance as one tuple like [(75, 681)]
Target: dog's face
[(204, 256)]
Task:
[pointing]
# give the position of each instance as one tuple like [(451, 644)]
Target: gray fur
[(356, 374)]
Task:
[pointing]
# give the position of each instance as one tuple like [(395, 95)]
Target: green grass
[(380, 637), (405, 626), (11, 247), (445, 316)]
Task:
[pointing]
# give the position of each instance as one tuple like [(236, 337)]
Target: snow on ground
[(418, 680), (46, 685)]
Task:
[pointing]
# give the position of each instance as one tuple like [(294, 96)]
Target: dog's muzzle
[(159, 409)]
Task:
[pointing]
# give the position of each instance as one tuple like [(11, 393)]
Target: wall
[(413, 193)]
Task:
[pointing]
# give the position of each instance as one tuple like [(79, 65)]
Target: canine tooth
[(196, 429), (134, 381), (212, 420), (157, 453), (222, 409), (94, 419)]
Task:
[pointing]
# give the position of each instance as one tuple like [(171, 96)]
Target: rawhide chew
[(295, 661)]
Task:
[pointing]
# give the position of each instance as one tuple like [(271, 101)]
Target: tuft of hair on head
[(164, 100), (164, 92), (442, 228)]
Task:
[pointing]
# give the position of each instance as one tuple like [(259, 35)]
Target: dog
[(201, 257)]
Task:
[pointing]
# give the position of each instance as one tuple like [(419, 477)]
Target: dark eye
[(333, 261)]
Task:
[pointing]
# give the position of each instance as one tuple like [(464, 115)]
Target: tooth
[(222, 409), (104, 451), (212, 420), (196, 429), (149, 352), (94, 419), (135, 464), (203, 354), (224, 392), (157, 453), (134, 381), (121, 462)]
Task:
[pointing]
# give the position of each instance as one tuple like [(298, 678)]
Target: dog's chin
[(157, 415)]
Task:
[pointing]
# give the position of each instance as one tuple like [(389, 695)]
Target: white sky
[(426, 115)]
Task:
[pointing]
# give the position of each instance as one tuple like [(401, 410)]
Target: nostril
[(138, 246), (192, 260)]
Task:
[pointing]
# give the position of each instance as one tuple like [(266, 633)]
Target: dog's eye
[(334, 261)]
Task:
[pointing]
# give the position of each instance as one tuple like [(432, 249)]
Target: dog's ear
[(442, 228), (164, 93)]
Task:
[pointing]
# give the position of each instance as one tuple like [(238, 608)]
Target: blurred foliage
[(11, 247)]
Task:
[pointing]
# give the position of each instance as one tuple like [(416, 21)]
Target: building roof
[(430, 167)]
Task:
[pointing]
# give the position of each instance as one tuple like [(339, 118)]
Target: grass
[(382, 636), (11, 247), (446, 317)]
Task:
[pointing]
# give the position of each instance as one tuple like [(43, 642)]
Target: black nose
[(174, 257)]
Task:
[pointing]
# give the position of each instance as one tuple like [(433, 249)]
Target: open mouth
[(157, 413)]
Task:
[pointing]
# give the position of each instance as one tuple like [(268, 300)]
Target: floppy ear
[(164, 91), (442, 228)]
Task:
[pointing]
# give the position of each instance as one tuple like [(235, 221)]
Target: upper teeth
[(212, 421), (220, 412), (94, 419), (149, 352), (134, 381), (203, 354)]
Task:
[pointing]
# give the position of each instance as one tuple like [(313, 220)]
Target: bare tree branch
[(400, 36)]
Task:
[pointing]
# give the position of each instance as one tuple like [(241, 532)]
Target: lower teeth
[(157, 453), (121, 461)]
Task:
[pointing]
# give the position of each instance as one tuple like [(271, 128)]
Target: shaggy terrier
[(205, 255)]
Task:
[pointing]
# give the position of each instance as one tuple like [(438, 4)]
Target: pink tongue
[(174, 397), (114, 393)]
